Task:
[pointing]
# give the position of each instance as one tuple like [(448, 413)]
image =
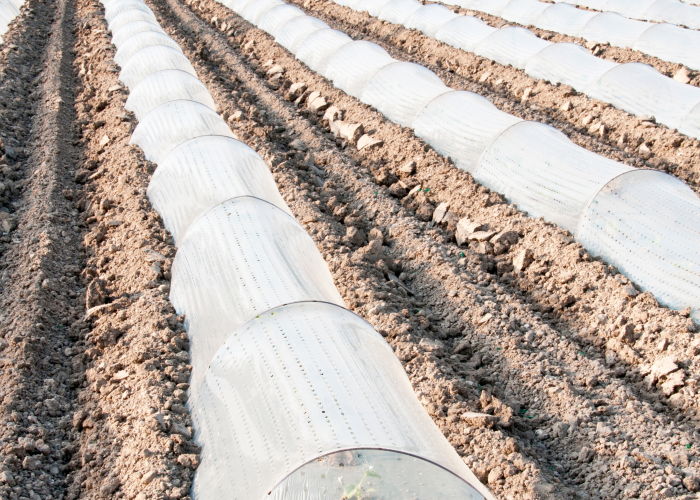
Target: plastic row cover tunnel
[(291, 394), (669, 11), (9, 9), (616, 212), (634, 87), (663, 40)]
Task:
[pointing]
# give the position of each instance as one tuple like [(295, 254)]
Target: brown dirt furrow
[(563, 414), (132, 430), (602, 50), (41, 256), (623, 137)]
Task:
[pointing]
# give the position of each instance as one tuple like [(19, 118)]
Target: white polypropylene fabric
[(352, 66), (514, 46), (401, 90), (569, 64), (152, 59), (319, 47), (129, 16), (464, 32), (255, 12), (141, 41), (525, 12), (241, 258), (266, 411), (165, 86), (646, 216), (430, 18), (206, 171), (116, 8), (173, 123)]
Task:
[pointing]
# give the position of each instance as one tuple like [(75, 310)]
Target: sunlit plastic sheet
[(388, 475), (564, 18), (114, 9), (544, 173), (612, 28), (354, 64), (129, 16), (430, 18), (524, 12), (514, 46), (462, 125), (645, 223), (465, 32), (152, 59), (629, 8), (673, 11), (133, 28), (493, 7), (241, 258), (319, 47), (173, 123), (691, 123), (295, 31), (276, 17), (241, 6), (255, 12), (373, 7), (401, 90), (263, 412), (165, 86), (569, 64), (398, 11), (671, 43), (641, 90), (203, 172), (141, 41)]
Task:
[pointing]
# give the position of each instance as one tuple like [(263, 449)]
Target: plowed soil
[(549, 372)]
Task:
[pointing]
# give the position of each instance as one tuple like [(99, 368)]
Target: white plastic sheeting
[(283, 377), (668, 11), (532, 164), (668, 42), (619, 84), (353, 395), (165, 86)]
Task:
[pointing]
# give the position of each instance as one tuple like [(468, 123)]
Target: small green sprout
[(357, 491)]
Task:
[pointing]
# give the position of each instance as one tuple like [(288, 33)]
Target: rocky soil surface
[(550, 373), (592, 124)]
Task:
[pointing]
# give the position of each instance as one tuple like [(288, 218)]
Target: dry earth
[(550, 373)]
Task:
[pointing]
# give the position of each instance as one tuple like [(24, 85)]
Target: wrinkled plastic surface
[(398, 11), (514, 46), (430, 18), (165, 86), (115, 8), (141, 41), (389, 474), (276, 17), (525, 12), (173, 123), (128, 30), (401, 90), (256, 11), (203, 172), (295, 31), (464, 32), (442, 124), (129, 16), (544, 173), (262, 412), (352, 66), (319, 47), (569, 64), (645, 223), (241, 258), (152, 59)]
